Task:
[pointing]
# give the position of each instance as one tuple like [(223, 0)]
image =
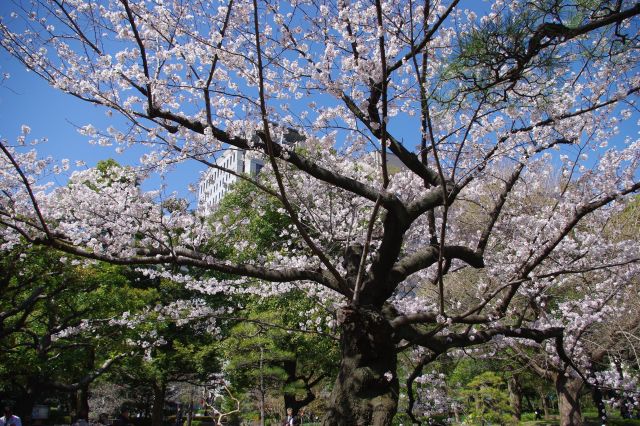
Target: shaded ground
[(589, 421)]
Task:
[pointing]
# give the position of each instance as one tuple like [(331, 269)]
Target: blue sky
[(27, 99)]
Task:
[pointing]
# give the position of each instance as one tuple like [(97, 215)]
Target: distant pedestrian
[(9, 419), (538, 414), (103, 419), (123, 419), (291, 420), (82, 419)]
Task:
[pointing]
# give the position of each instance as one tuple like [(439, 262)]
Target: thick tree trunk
[(515, 395), (366, 389), (568, 390), (159, 393), (82, 402)]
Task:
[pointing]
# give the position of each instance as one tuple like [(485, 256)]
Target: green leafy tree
[(255, 219), (176, 346), (314, 349), (56, 324), (255, 361), (488, 400), (311, 355)]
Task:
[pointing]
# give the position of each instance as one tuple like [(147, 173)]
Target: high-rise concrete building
[(215, 183)]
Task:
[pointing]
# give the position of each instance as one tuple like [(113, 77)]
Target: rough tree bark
[(82, 402), (568, 390), (515, 395), (159, 391), (366, 389)]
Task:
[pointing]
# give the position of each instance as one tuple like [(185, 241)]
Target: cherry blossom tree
[(596, 310), (594, 348), (428, 132)]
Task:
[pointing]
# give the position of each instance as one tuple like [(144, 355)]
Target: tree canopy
[(508, 123)]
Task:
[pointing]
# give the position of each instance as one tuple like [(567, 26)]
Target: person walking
[(123, 418), (290, 419), (9, 419), (103, 419)]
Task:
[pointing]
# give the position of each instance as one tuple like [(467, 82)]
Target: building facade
[(215, 183)]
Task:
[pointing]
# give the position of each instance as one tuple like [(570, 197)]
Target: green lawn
[(591, 419)]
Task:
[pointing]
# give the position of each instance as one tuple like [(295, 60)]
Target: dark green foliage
[(293, 362), (524, 41), (55, 321), (488, 400), (251, 218), (253, 354)]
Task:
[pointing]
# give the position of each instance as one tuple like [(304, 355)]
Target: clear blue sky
[(27, 99)]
